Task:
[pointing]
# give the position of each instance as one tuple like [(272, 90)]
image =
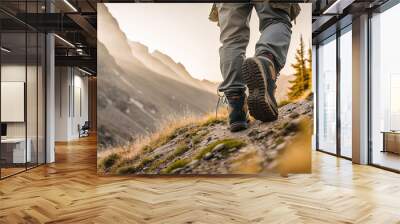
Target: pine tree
[(302, 67), (309, 68)]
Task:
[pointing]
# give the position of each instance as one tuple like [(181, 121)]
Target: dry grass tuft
[(284, 103), (109, 161), (167, 131), (305, 95)]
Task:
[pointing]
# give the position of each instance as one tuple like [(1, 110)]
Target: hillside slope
[(206, 146)]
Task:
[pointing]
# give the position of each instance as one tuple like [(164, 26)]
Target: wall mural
[(159, 69)]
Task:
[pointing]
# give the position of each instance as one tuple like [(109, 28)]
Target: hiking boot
[(238, 113), (260, 75)]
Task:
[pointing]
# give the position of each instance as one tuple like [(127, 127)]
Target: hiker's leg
[(235, 33), (260, 72), (275, 28)]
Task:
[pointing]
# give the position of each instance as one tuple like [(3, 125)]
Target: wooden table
[(391, 141)]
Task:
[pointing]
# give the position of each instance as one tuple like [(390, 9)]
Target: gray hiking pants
[(275, 28)]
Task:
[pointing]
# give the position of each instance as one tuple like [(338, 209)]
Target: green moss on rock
[(228, 143), (175, 165), (126, 170)]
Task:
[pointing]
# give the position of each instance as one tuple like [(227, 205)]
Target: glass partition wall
[(22, 88), (14, 153)]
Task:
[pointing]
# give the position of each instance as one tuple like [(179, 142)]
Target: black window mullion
[(26, 87), (369, 96), (73, 92), (45, 93), (338, 94), (37, 90), (316, 111)]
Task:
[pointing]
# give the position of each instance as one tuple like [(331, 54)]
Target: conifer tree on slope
[(302, 67), (309, 68)]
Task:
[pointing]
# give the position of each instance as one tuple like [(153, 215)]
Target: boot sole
[(260, 104), (235, 127)]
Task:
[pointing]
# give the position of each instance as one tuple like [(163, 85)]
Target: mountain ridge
[(163, 64), (119, 47)]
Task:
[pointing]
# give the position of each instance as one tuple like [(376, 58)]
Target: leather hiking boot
[(260, 75), (238, 113)]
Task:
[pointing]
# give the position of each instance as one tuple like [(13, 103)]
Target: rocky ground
[(208, 147)]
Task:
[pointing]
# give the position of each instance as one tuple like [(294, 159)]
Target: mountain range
[(137, 90)]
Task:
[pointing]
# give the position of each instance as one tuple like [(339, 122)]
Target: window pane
[(346, 94), (327, 96), (385, 89)]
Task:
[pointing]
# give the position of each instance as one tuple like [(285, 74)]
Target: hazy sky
[(183, 31)]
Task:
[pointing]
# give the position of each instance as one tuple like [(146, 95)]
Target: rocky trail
[(208, 147)]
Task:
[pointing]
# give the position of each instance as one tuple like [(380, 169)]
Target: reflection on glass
[(395, 102), (346, 94), (385, 84), (327, 96), (15, 151)]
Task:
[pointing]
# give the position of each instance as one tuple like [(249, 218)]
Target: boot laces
[(222, 100)]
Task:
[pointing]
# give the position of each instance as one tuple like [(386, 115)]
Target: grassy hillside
[(204, 145)]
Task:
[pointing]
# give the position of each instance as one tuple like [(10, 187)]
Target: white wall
[(12, 73), (62, 81), (80, 110), (70, 83)]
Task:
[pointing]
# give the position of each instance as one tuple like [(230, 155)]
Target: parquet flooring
[(70, 191)]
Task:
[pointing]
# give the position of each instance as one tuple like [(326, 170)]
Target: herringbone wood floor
[(69, 191)]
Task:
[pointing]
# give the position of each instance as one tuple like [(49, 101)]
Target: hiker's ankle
[(238, 113)]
